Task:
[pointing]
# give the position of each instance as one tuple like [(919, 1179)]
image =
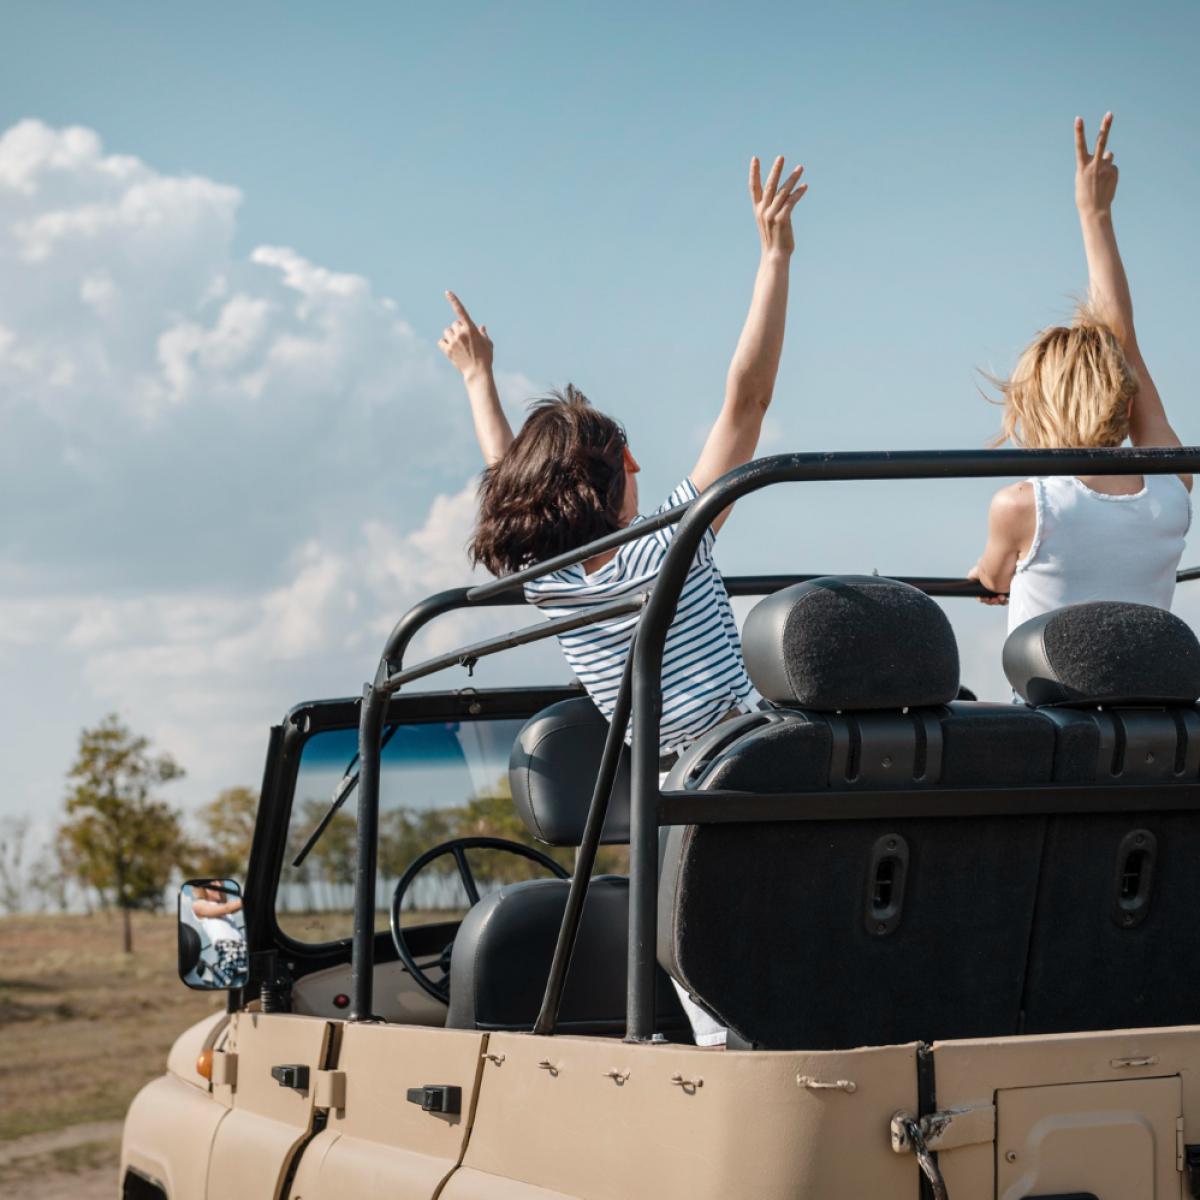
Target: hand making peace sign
[(1095, 172)]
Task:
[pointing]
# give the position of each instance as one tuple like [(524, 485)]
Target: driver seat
[(502, 954)]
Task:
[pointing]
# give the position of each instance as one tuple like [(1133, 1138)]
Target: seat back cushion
[(502, 955), (833, 934), (1117, 940), (552, 771)]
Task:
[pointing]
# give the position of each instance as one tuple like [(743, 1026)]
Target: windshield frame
[(279, 792)]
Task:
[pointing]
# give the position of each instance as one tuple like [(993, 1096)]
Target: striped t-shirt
[(703, 675)]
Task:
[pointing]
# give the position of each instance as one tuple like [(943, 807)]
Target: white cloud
[(204, 673), (160, 391), (216, 470)]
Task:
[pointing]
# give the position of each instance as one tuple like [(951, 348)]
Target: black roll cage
[(640, 698)]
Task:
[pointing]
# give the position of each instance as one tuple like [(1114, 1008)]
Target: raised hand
[(997, 598), (773, 204), (466, 344), (1095, 171), (469, 348)]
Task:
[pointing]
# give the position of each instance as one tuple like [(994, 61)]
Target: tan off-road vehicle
[(956, 945)]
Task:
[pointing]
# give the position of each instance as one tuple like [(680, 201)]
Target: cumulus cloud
[(224, 476), (159, 391), (215, 668)]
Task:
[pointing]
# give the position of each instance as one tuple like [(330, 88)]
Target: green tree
[(118, 837), (226, 831)]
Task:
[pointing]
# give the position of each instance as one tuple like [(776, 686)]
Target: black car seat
[(1116, 943), (502, 953), (835, 932)]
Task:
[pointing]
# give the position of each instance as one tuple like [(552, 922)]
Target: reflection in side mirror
[(212, 935)]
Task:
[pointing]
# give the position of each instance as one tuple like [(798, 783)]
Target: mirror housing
[(212, 935)]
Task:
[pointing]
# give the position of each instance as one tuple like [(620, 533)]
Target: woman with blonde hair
[(1063, 540)]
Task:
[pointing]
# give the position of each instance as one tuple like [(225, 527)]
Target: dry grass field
[(82, 1027)]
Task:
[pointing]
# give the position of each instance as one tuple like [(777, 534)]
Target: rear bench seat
[(1116, 942), (833, 933)]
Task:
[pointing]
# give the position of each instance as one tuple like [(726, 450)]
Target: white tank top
[(1091, 546)]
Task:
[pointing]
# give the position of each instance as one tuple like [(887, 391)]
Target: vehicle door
[(273, 1067), (381, 1140), (443, 776)]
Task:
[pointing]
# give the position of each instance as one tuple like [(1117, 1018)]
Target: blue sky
[(577, 174)]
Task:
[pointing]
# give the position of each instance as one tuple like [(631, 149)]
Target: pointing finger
[(1081, 152), (457, 305), (755, 180), (1102, 137)]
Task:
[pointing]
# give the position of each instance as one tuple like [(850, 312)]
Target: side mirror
[(212, 935)]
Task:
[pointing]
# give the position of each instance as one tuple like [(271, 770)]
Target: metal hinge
[(907, 1138), (1179, 1144), (970, 1125), (224, 1068), (330, 1091)]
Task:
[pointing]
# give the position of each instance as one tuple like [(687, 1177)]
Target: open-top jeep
[(956, 944)]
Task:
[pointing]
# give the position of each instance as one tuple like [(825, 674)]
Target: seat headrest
[(849, 643), (1104, 652), (552, 771)]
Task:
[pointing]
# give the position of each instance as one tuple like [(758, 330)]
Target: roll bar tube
[(695, 516), (656, 620)]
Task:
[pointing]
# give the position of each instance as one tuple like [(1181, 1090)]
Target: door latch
[(436, 1098), (291, 1075)]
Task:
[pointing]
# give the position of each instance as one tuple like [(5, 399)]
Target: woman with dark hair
[(568, 477)]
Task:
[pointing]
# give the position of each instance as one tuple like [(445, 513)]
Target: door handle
[(291, 1075), (436, 1098)]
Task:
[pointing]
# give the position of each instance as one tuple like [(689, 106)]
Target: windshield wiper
[(341, 793)]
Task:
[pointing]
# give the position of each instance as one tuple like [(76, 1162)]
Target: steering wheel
[(440, 990)]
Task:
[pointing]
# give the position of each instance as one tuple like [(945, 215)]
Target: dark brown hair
[(560, 485)]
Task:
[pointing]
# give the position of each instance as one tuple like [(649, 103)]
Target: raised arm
[(1012, 526), (1108, 286), (469, 348), (751, 380), (216, 908)]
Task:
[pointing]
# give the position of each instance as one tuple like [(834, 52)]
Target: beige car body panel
[(1007, 1072), (378, 1144), (255, 1144), (168, 1137), (590, 1117), (569, 1118)]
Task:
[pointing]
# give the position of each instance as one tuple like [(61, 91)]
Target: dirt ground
[(82, 1027)]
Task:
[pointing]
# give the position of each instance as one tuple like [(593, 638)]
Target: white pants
[(705, 1029)]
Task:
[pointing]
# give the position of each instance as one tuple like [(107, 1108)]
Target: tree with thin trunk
[(119, 838), (227, 829), (13, 884), (50, 877)]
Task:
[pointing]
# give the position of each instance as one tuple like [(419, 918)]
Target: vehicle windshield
[(439, 780)]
